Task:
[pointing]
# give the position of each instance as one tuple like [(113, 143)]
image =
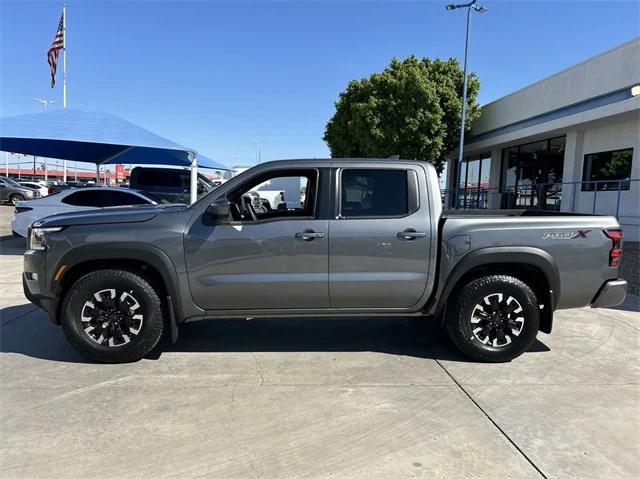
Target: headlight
[(28, 194), (38, 237)]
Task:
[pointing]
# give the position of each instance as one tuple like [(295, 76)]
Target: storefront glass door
[(532, 175)]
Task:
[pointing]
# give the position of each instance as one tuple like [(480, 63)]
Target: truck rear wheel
[(493, 318), (112, 316)]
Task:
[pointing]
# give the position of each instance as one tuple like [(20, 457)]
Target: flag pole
[(64, 73)]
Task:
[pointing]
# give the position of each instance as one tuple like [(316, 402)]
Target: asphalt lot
[(318, 398)]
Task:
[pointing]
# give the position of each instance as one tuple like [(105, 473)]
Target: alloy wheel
[(497, 320), (112, 317)]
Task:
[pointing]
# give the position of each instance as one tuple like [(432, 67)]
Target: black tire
[(15, 198), (465, 315), (78, 316)]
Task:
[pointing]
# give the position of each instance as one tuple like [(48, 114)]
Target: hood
[(118, 214)]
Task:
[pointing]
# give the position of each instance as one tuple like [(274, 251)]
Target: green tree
[(411, 109)]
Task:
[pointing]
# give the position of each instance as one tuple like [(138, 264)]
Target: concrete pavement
[(318, 398)]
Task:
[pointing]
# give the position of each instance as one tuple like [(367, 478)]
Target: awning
[(93, 136), (81, 134)]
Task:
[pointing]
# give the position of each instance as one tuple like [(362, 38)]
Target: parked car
[(171, 184), (79, 184), (55, 186), (34, 185), (73, 199), (11, 191), (370, 238)]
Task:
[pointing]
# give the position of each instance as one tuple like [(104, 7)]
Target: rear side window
[(95, 199), (369, 192), (122, 198)]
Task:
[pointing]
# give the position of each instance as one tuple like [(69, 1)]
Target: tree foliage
[(411, 109)]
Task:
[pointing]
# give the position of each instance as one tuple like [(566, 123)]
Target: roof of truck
[(346, 160)]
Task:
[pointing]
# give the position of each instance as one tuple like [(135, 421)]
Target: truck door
[(379, 241), (269, 255)]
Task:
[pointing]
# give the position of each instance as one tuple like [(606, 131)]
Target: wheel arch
[(533, 266), (148, 261)]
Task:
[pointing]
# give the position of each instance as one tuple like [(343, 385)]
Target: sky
[(217, 75)]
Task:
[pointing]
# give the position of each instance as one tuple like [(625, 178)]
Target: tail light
[(615, 253), (51, 191)]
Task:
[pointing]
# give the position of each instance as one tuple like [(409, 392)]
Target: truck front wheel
[(112, 316), (493, 318)]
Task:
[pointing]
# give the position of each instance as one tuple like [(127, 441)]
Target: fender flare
[(514, 255), (145, 253)]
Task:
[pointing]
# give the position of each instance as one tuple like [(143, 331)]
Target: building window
[(532, 174), (606, 170), (474, 180)]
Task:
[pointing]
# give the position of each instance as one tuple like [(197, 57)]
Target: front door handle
[(411, 234), (309, 235)]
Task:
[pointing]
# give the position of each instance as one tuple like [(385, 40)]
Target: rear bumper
[(611, 293)]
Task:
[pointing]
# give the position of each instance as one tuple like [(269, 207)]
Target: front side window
[(607, 168), (369, 192), (279, 194)]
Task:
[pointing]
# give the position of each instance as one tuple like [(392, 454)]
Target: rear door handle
[(309, 235), (411, 234)]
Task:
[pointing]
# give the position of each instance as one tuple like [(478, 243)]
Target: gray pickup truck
[(364, 237)]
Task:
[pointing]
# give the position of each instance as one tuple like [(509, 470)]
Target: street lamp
[(469, 6), (257, 142), (44, 102)]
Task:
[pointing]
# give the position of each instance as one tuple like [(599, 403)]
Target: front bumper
[(611, 293), (34, 283)]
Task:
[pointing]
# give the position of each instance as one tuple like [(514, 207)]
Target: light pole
[(43, 103), (469, 6), (257, 142)]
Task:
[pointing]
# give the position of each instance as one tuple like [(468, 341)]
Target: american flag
[(54, 50)]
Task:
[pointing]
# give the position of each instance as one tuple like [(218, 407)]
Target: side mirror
[(218, 211)]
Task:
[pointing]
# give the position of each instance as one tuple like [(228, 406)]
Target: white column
[(6, 165), (194, 177), (571, 171)]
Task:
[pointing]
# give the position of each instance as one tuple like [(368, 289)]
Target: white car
[(44, 191), (77, 199)]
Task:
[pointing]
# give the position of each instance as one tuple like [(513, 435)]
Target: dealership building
[(570, 142)]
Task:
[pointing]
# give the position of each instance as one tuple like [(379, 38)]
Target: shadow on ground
[(34, 336), (631, 303), (7, 315), (12, 245)]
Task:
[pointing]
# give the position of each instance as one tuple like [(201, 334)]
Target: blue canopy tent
[(81, 134)]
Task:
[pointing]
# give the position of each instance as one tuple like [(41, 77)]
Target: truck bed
[(575, 244)]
